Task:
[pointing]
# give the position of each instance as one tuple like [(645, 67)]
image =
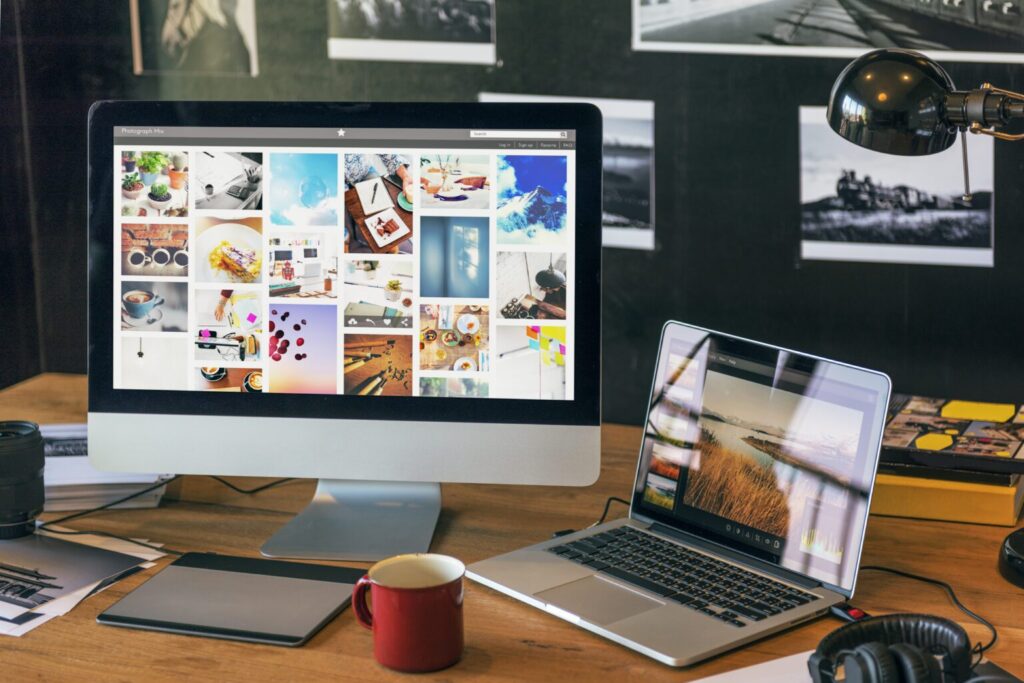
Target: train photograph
[(871, 206), (966, 30)]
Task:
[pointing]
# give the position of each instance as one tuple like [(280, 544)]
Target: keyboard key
[(681, 598), (640, 581), (747, 612), (597, 564)]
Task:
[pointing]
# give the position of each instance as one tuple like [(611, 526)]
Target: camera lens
[(21, 478)]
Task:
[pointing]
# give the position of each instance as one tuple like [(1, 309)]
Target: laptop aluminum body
[(809, 427)]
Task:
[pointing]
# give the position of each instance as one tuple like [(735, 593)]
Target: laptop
[(748, 510)]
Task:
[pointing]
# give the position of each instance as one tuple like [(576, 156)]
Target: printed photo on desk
[(379, 194), (154, 183), (378, 365), (153, 362), (303, 189), (981, 31), (209, 37), (530, 362), (229, 250), (379, 294), (455, 181), (628, 178), (303, 349), (154, 249), (38, 569), (455, 337), (453, 31), (229, 181), (858, 205), (230, 326), (532, 206), (304, 265)]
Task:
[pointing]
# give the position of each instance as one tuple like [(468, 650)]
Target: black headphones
[(898, 648)]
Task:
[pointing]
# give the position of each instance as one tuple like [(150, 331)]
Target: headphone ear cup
[(914, 664), (871, 663)]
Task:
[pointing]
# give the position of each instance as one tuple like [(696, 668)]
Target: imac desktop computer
[(381, 296)]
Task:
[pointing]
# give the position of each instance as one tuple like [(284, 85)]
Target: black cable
[(46, 526), (978, 648), (83, 513), (258, 489), (607, 505)]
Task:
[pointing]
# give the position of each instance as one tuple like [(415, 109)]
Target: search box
[(535, 134)]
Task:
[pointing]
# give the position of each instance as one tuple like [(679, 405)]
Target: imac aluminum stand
[(360, 521)]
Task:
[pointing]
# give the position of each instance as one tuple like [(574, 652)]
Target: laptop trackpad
[(597, 601)]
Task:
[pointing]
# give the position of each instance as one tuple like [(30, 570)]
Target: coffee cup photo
[(161, 257), (138, 257), (139, 303), (416, 616)]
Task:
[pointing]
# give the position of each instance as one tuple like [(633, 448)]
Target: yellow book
[(951, 501)]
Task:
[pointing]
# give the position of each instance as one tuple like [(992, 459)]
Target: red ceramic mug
[(417, 611)]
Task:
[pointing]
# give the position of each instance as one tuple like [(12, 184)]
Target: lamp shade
[(893, 101)]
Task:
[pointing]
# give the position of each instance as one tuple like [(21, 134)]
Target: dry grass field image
[(738, 487)]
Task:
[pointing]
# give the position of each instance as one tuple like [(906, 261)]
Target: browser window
[(354, 261)]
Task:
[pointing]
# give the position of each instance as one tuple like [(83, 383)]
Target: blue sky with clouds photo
[(303, 189)]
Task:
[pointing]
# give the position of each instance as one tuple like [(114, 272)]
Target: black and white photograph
[(628, 220), (859, 205), (36, 569), (436, 31), (213, 37), (951, 30), (227, 180)]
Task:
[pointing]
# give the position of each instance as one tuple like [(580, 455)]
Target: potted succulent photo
[(150, 166), (393, 290), (131, 186), (128, 161), (159, 196), (177, 177), (178, 170)]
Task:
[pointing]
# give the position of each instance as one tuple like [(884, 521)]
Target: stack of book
[(73, 484), (952, 460)]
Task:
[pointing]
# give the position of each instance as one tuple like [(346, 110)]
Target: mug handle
[(363, 614), (158, 300)]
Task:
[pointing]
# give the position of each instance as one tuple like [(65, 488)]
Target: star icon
[(341, 132)]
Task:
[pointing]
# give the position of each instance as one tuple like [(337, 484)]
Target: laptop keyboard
[(676, 573)]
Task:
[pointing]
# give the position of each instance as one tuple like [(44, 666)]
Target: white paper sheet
[(792, 669)]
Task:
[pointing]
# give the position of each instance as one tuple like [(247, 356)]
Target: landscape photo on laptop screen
[(767, 454), (370, 262)]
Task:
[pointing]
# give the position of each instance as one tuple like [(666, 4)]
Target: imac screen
[(371, 262)]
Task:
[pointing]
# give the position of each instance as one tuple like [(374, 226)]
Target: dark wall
[(19, 340), (727, 174)]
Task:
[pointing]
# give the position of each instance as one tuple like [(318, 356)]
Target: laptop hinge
[(718, 549)]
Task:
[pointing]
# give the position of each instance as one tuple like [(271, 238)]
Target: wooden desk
[(504, 638)]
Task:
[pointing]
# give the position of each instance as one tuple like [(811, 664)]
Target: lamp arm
[(985, 109)]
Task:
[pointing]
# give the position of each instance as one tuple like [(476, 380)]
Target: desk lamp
[(901, 102)]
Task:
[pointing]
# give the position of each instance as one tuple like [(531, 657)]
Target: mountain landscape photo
[(531, 199)]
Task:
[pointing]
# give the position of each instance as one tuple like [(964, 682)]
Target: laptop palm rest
[(597, 601)]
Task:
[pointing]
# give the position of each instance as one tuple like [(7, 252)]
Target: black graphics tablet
[(237, 598)]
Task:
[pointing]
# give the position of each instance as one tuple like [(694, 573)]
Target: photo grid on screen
[(381, 270)]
